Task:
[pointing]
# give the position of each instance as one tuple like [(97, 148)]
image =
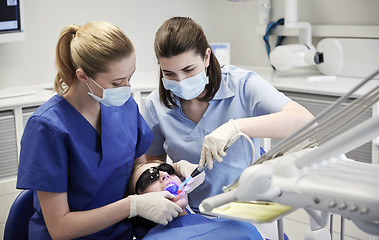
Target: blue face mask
[(189, 88), (111, 96)]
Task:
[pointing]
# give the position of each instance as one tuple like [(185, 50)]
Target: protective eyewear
[(151, 175)]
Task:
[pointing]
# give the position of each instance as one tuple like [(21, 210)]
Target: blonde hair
[(90, 47)]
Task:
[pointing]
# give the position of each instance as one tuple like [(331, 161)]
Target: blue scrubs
[(196, 226), (242, 94), (62, 152)]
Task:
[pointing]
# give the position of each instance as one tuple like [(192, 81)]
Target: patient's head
[(154, 177)]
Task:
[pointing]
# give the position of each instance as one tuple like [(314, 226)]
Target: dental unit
[(309, 169)]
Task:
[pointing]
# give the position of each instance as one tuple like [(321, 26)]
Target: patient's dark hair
[(140, 225)]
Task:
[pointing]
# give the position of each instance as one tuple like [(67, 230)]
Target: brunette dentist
[(200, 106)]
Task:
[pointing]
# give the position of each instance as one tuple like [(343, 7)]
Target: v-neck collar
[(114, 134), (79, 115)]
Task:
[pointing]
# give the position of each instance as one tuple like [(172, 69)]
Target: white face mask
[(189, 88), (111, 96)]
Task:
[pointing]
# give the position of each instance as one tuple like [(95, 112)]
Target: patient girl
[(156, 176)]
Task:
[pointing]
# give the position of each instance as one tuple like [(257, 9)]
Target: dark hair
[(178, 35), (140, 225)]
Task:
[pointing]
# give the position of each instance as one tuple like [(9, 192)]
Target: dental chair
[(17, 224)]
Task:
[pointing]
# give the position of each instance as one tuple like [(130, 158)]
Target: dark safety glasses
[(151, 175)]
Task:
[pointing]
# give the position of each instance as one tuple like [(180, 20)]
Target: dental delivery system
[(309, 169)]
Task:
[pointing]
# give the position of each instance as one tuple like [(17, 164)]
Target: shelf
[(351, 31)]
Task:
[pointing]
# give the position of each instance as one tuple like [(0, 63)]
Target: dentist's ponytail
[(90, 47)]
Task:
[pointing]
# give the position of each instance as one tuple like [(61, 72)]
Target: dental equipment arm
[(264, 11), (358, 135), (309, 169), (327, 125), (286, 57)]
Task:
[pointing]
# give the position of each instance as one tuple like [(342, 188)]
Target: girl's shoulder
[(238, 78), (50, 109), (236, 74), (231, 69)]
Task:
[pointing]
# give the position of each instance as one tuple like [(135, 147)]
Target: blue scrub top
[(242, 94), (62, 152), (196, 226)]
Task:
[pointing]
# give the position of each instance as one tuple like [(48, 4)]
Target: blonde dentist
[(78, 149)]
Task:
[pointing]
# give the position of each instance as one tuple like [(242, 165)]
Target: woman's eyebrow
[(122, 78), (166, 71), (189, 66), (183, 69)]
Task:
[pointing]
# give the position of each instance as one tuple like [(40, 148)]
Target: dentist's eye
[(116, 84)]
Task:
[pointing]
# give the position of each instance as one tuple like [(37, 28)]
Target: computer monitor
[(11, 20)]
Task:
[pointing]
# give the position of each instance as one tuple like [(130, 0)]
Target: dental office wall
[(236, 23), (31, 61)]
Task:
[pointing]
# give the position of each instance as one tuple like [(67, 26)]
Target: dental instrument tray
[(252, 211)]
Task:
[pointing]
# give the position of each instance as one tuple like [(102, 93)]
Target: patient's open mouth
[(173, 188)]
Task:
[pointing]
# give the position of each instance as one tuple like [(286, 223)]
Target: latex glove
[(215, 143), (185, 169), (154, 206)]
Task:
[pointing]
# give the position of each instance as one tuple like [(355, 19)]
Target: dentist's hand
[(215, 143), (185, 169), (154, 206)]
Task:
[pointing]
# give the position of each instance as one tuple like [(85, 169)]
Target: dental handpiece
[(195, 172), (199, 169)]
